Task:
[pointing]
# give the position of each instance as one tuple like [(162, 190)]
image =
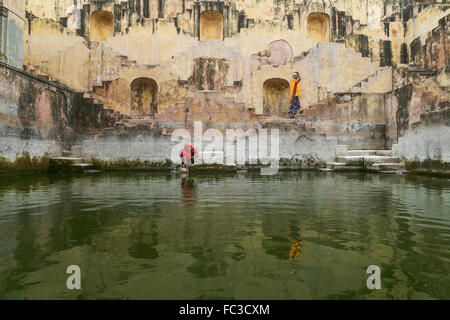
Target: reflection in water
[(294, 237), (133, 237), (188, 190), (143, 240)]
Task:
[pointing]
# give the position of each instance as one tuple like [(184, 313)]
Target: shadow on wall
[(276, 96), (101, 26), (144, 94)]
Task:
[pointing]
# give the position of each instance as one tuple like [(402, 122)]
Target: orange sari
[(294, 87)]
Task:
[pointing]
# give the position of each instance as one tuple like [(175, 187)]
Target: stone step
[(350, 159), (381, 159), (369, 152), (326, 170), (383, 153), (361, 160), (334, 165), (394, 172), (277, 119), (358, 153), (387, 167), (77, 151), (341, 150), (82, 165), (65, 165), (348, 168), (67, 160)]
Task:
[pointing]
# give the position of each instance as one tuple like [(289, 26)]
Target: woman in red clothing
[(187, 155)]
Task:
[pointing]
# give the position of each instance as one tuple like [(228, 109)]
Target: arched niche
[(276, 96), (144, 97), (319, 27), (211, 26), (101, 26)]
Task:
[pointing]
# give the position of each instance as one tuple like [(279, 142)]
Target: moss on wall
[(124, 164), (24, 164), (434, 167)]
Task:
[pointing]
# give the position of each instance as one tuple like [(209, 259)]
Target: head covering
[(296, 75), (188, 151)]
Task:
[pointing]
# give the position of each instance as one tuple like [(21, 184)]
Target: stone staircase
[(110, 64), (37, 71), (418, 74), (379, 82), (365, 160), (108, 116), (70, 164), (107, 64), (276, 119), (336, 67)]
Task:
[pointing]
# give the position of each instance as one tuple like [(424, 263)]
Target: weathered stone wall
[(418, 121), (167, 36), (417, 111), (35, 116), (296, 144), (12, 16), (426, 142), (350, 119), (374, 74), (432, 49), (39, 117)]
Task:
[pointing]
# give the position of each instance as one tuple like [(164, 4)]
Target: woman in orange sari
[(294, 96)]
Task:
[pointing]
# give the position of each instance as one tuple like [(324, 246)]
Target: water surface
[(306, 235)]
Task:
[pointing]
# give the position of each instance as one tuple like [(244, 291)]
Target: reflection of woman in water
[(188, 191), (294, 237)]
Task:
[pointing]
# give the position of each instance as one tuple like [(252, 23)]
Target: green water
[(306, 235)]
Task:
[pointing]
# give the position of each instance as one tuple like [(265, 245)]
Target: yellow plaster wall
[(161, 52), (424, 22)]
